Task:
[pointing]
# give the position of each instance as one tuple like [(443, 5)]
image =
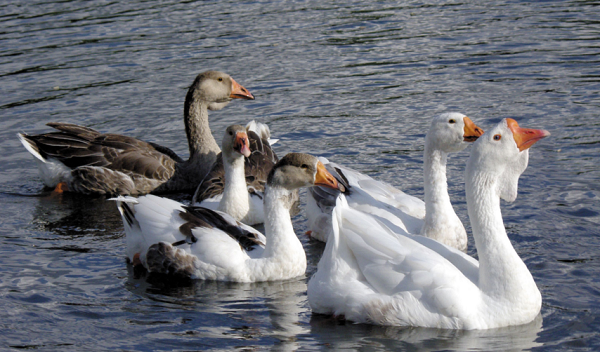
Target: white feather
[(374, 274)]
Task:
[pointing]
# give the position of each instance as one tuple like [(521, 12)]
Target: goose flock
[(390, 258)]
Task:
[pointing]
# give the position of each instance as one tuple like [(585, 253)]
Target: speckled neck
[(201, 142)]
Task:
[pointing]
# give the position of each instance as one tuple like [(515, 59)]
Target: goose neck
[(200, 139), (502, 273), (235, 200), (281, 238), (435, 183)]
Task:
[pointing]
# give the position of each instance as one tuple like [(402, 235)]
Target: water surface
[(352, 81)]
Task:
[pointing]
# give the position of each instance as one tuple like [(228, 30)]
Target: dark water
[(353, 81)]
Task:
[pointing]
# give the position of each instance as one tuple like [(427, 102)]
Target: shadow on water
[(283, 306), (77, 217)]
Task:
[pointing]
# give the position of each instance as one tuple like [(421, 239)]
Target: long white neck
[(235, 200), (282, 243), (441, 222), (502, 273)]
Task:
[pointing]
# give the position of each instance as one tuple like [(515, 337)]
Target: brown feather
[(165, 259), (85, 150)]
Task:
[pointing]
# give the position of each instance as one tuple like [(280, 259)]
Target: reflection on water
[(354, 81), (281, 306), (344, 335)]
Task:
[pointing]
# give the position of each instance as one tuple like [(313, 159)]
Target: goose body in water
[(83, 160), (167, 237), (434, 218), (371, 274)]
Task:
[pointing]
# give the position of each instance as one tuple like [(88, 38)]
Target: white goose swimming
[(234, 197), (370, 274), (170, 238), (448, 133), (236, 183)]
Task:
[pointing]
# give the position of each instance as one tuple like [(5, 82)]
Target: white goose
[(370, 274), (236, 183), (449, 133), (235, 198), (168, 237)]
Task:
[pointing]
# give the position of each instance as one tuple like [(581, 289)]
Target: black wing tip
[(210, 218), (128, 214)]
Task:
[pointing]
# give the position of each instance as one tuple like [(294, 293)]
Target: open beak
[(239, 92), (242, 144), (525, 137), (325, 179), (472, 131)]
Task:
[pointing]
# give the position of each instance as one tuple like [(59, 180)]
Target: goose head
[(216, 89), (451, 132), (235, 142), (297, 170), (503, 153)]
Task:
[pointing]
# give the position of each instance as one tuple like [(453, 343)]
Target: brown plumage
[(91, 162), (164, 259)]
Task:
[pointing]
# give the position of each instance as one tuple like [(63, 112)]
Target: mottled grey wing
[(73, 146), (168, 152), (259, 164), (213, 183), (77, 130), (78, 146)]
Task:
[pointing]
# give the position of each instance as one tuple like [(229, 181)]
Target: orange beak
[(525, 137), (242, 144), (239, 92), (324, 178), (472, 131)]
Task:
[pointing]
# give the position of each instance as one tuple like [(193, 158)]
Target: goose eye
[(231, 133), (452, 121), (304, 166), (220, 79), (497, 137)]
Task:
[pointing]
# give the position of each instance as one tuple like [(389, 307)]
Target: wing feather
[(78, 146), (397, 264)]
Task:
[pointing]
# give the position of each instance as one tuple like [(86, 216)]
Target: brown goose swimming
[(80, 159)]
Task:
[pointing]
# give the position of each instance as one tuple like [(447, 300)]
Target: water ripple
[(353, 81)]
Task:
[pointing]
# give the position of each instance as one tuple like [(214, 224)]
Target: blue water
[(353, 81)]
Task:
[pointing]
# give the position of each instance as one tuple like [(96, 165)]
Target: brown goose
[(82, 160)]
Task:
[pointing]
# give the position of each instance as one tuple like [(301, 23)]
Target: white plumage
[(370, 273), (167, 237), (434, 218)]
